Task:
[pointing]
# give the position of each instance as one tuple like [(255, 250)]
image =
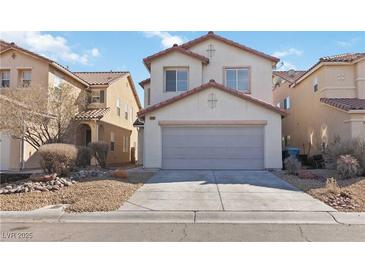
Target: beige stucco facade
[(311, 124), (194, 110), (16, 154)]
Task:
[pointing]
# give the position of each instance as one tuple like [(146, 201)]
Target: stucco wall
[(310, 122), (122, 89), (229, 56), (196, 107), (360, 79), (260, 70)]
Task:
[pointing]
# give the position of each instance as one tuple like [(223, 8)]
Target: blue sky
[(104, 51)]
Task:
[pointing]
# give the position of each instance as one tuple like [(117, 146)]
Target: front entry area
[(213, 147)]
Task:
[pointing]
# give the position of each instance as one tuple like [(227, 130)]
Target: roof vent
[(291, 72), (210, 32), (12, 43), (211, 81), (175, 45)]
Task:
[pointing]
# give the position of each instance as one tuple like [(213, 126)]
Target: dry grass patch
[(341, 194), (98, 195)]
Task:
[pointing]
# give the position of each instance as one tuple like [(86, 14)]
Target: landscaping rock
[(49, 183), (120, 174), (43, 178)]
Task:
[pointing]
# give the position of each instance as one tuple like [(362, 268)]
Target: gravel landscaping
[(98, 195), (347, 195), (85, 190)]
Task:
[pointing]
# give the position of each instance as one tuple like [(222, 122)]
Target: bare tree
[(38, 116)]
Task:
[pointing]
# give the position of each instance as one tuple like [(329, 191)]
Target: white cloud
[(347, 44), (167, 40), (283, 65), (95, 52), (287, 52), (53, 47)]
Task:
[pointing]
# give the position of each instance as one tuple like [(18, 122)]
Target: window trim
[(182, 68), (125, 143), (315, 85), (237, 68), (126, 109)]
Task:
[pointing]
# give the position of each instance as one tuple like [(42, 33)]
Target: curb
[(189, 217)]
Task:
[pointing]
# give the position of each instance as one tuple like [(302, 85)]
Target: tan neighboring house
[(326, 101), (22, 70), (209, 105)]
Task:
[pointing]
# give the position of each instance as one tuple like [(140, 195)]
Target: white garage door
[(213, 147)]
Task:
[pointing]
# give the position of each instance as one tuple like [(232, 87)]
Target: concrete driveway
[(213, 190)]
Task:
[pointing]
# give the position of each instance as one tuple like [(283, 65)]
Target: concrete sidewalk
[(56, 214)]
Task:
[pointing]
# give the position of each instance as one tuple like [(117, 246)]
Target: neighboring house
[(326, 101), (209, 105), (22, 70), (112, 109)]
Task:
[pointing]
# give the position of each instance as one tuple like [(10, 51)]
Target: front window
[(176, 80), (237, 78), (98, 96), (25, 78), (5, 78)]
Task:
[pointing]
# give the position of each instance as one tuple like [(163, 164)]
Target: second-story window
[(25, 78), (287, 103), (126, 111), (117, 104), (176, 79), (5, 78), (315, 84), (237, 78)]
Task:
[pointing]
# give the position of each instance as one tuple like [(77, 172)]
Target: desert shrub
[(332, 186), (84, 155), (354, 147), (58, 158), (348, 166), (100, 152), (292, 165)]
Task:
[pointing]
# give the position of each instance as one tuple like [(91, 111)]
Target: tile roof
[(345, 103), (92, 114), (338, 58), (346, 57), (212, 35), (147, 61), (289, 75), (100, 78), (210, 84), (142, 83)]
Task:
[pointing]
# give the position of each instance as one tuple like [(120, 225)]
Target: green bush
[(100, 151), (292, 165), (58, 158), (84, 155), (348, 166)]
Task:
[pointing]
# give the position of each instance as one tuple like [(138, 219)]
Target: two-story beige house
[(209, 105), (326, 101), (108, 115)]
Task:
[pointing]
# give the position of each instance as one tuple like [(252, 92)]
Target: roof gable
[(211, 84), (175, 48), (212, 35), (100, 77)]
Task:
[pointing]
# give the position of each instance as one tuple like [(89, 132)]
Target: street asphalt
[(122, 232)]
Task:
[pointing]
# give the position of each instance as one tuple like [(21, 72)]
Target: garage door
[(213, 147)]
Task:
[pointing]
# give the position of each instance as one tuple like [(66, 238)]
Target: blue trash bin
[(288, 151)]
